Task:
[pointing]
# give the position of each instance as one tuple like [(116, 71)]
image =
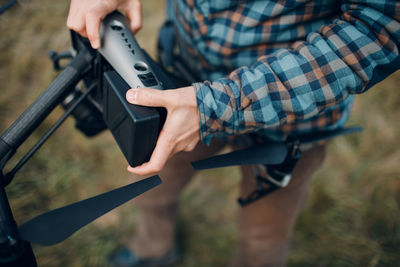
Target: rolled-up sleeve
[(348, 56)]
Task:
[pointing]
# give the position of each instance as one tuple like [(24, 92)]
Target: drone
[(106, 74)]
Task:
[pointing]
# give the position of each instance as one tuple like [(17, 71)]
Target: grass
[(352, 217)]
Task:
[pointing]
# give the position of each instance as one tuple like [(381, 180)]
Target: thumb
[(147, 97)]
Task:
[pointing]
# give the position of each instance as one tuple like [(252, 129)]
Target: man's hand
[(181, 131), (85, 16)]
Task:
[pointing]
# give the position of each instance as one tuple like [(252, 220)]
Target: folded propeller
[(57, 225), (269, 152)]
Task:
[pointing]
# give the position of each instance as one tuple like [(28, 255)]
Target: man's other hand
[(85, 16), (181, 131)]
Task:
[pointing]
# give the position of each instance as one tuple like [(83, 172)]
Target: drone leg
[(13, 252)]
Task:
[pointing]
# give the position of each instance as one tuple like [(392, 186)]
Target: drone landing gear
[(277, 176)]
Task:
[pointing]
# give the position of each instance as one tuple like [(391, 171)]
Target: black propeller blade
[(269, 153), (57, 225), (265, 153), (325, 135)]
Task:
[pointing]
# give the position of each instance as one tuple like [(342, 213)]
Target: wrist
[(187, 97)]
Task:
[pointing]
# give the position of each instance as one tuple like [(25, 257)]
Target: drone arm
[(43, 105)]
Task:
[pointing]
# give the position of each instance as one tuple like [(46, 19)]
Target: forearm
[(345, 57)]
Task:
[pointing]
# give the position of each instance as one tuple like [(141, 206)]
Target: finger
[(76, 20), (158, 158), (77, 25), (93, 19), (190, 147), (148, 97), (133, 10)]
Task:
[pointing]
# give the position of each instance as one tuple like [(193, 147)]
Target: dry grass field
[(352, 217)]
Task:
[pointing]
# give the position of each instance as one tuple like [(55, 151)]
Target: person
[(271, 68)]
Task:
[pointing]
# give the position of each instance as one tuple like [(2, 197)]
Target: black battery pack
[(135, 128)]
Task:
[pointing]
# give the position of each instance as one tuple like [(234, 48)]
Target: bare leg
[(158, 207), (265, 226)]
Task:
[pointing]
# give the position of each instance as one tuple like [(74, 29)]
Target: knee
[(263, 249)]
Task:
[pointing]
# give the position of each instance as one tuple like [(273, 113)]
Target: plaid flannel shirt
[(281, 67)]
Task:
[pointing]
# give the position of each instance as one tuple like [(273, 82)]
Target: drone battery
[(135, 128)]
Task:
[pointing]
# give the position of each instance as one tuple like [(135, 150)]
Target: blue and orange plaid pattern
[(280, 67)]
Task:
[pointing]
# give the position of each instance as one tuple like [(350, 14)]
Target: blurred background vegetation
[(352, 217)]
